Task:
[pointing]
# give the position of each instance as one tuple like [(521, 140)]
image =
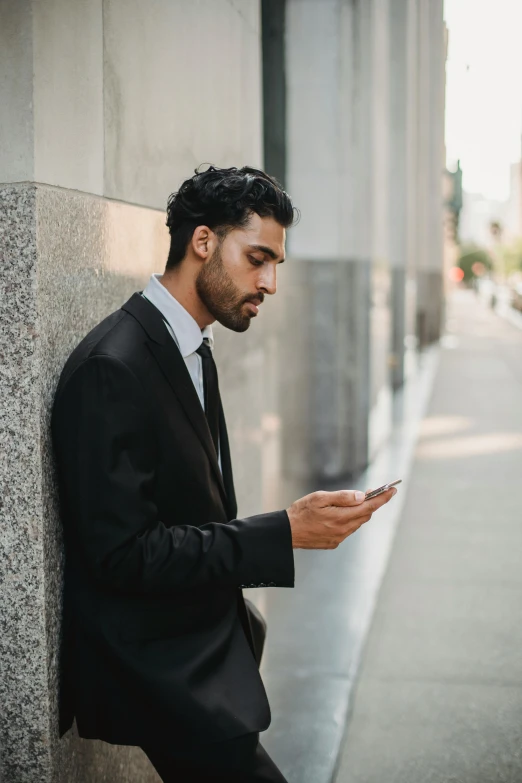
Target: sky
[(484, 92)]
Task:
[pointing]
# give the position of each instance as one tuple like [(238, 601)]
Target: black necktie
[(211, 391)]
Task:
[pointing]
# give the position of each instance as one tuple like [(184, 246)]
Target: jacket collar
[(148, 316), (187, 332)]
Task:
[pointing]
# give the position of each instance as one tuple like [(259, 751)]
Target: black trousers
[(241, 760)]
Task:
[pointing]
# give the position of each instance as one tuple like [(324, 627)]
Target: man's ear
[(202, 242)]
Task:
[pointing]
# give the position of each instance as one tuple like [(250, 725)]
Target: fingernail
[(359, 496)]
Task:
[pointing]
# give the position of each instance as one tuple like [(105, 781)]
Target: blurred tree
[(474, 262)]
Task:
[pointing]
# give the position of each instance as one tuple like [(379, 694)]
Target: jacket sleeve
[(106, 459)]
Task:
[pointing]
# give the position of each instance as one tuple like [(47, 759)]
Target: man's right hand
[(323, 520)]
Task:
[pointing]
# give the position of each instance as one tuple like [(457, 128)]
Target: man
[(160, 649)]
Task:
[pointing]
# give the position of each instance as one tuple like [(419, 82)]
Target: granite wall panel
[(64, 265), (24, 714)]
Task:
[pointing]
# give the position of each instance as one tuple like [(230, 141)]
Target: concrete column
[(377, 46), (422, 166), (319, 66), (402, 194), (430, 162), (369, 182), (437, 166), (336, 67), (412, 195)]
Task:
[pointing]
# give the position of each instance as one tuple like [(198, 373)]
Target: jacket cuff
[(268, 552)]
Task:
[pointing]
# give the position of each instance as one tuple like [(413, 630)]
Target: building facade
[(107, 106)]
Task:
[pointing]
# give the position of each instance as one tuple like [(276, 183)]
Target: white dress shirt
[(185, 332)]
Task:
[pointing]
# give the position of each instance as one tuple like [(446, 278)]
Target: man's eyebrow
[(267, 250)]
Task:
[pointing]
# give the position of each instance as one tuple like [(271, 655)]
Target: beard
[(222, 297)]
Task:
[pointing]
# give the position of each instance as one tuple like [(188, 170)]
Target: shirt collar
[(188, 334)]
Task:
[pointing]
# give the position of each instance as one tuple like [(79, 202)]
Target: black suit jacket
[(157, 642)]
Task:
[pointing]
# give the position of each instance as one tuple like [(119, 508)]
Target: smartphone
[(374, 492)]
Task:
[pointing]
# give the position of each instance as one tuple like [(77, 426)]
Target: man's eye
[(255, 261)]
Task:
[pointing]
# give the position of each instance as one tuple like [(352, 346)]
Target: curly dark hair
[(223, 199)]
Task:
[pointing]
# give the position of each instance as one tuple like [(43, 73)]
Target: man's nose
[(268, 281)]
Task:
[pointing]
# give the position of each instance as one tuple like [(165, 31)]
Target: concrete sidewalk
[(439, 695)]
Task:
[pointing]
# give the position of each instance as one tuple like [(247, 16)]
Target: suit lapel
[(173, 367)]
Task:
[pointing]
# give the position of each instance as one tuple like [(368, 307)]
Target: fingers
[(352, 497), (343, 497), (381, 500), (362, 512), (342, 521)]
